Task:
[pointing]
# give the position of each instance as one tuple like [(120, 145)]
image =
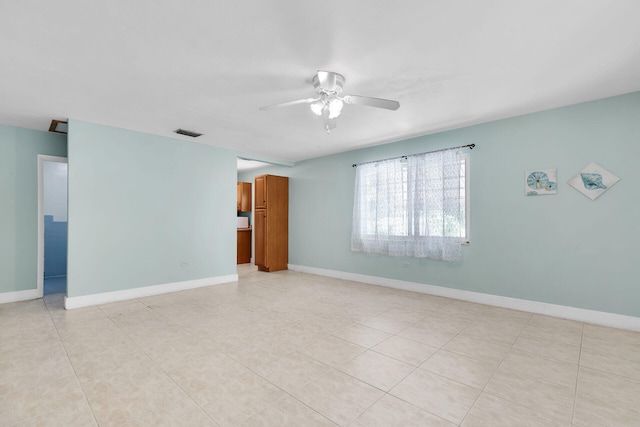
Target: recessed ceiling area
[(156, 66), (248, 164), (59, 126)]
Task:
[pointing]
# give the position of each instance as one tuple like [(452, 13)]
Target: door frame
[(40, 270)]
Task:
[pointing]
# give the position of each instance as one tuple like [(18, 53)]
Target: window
[(413, 206)]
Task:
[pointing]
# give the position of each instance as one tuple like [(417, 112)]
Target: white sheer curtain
[(410, 207)]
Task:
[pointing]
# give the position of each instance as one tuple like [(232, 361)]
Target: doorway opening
[(52, 225)]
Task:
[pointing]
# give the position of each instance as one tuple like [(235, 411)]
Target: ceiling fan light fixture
[(335, 108), (317, 107)]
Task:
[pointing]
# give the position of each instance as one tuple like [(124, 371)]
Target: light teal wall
[(140, 205), (562, 249), (19, 149)]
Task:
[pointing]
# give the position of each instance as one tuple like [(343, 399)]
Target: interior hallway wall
[(147, 210), (19, 149)]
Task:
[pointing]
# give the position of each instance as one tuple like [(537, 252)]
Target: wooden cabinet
[(260, 225), (271, 222), (244, 246), (244, 197), (261, 193)]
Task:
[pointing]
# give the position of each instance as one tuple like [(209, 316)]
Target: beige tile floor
[(291, 349)]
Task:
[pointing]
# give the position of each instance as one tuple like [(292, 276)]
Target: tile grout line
[(441, 376), (495, 372), (286, 392), (75, 373), (155, 364), (575, 390)]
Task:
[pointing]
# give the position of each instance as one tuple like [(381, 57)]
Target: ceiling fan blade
[(287, 104), (372, 102)]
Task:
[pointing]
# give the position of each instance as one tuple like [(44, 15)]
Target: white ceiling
[(207, 66)]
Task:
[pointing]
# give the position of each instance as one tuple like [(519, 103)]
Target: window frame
[(464, 240)]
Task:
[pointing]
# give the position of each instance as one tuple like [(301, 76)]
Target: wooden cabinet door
[(260, 230), (261, 192), (244, 197), (244, 246)]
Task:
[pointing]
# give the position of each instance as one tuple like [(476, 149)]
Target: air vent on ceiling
[(188, 133)]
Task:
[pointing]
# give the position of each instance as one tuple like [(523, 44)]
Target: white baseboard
[(15, 296), (572, 313), (145, 291)]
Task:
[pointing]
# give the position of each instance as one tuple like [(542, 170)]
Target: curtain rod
[(404, 157)]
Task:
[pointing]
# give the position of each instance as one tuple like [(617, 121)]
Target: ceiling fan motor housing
[(328, 82)]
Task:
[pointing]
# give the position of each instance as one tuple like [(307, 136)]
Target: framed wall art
[(593, 181), (540, 182)]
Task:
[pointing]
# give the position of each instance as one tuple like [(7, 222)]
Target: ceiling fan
[(329, 102)]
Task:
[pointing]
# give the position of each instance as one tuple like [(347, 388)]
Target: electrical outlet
[(405, 265), (184, 264)]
